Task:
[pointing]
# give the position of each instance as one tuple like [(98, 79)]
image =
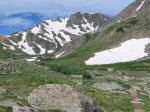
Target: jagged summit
[(96, 19)]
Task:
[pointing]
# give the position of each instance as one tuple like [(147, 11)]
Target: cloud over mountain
[(27, 10)]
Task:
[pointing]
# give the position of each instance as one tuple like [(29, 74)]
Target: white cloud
[(52, 8), (15, 21), (46, 7)]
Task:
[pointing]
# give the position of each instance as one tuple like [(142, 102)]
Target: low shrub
[(67, 69)]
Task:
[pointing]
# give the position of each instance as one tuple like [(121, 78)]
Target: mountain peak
[(78, 18)]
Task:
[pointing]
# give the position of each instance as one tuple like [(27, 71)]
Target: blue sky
[(17, 15)]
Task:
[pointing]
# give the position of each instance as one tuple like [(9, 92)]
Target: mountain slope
[(111, 37), (133, 23), (8, 50), (52, 35), (137, 7)]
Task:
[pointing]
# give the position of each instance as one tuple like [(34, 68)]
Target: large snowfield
[(130, 50)]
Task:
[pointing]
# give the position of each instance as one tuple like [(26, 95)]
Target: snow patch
[(4, 48), (130, 50), (57, 56), (13, 42), (8, 46), (140, 6), (43, 50), (24, 45), (88, 25), (66, 37), (118, 21), (31, 59), (50, 51), (56, 26), (35, 30)]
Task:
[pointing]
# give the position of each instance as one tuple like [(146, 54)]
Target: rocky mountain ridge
[(134, 9), (52, 35)]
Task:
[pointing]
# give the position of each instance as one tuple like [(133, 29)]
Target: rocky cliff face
[(52, 35), (96, 20)]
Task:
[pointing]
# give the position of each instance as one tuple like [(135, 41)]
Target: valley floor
[(20, 78)]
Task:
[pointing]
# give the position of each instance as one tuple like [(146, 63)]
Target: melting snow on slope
[(24, 45), (43, 50), (9, 46), (59, 27), (31, 59), (35, 30), (57, 56), (88, 25), (130, 50), (140, 5)]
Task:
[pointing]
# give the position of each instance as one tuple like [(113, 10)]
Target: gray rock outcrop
[(62, 97), (107, 86), (8, 103), (3, 91)]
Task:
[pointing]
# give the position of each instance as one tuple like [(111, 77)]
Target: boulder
[(8, 103), (62, 97), (3, 91), (107, 86)]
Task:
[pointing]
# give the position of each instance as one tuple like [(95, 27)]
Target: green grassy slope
[(13, 54), (20, 85)]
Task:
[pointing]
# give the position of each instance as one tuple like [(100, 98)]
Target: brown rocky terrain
[(2, 38)]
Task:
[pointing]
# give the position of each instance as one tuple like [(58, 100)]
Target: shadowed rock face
[(76, 19), (62, 97), (96, 19)]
